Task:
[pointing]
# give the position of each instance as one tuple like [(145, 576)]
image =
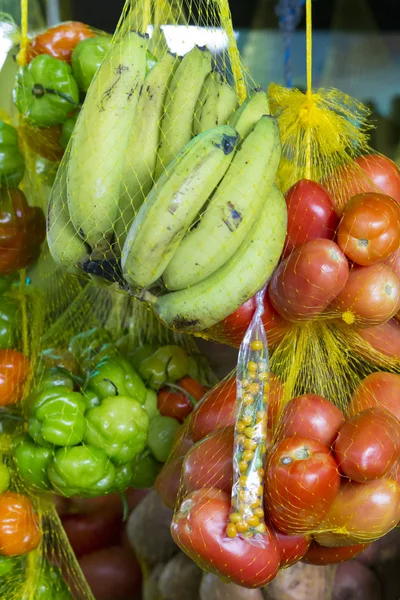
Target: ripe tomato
[(217, 409), (378, 389), (232, 329), (182, 443), (394, 262), (112, 573), (168, 482), (371, 296), (210, 462), (178, 404), (368, 444), (14, 371), (93, 531), (369, 173), (305, 283), (302, 480), (291, 547), (369, 231), (311, 416), (361, 513), (321, 555), (19, 525), (59, 41), (384, 338), (199, 529), (310, 214)]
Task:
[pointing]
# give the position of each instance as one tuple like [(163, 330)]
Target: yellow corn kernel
[(250, 444), (247, 420), (256, 345), (242, 527), (252, 520), (231, 530), (248, 455), (243, 466), (235, 517)]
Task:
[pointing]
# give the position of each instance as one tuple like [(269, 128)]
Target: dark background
[(382, 14)]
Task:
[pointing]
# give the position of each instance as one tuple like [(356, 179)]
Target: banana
[(66, 247), (180, 105), (141, 153), (232, 209), (199, 307), (100, 139), (216, 103), (174, 203), (251, 111)]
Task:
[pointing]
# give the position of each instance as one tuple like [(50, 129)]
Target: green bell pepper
[(32, 462), (123, 477), (90, 360), (9, 323), (54, 377), (87, 57), (162, 432), (67, 130), (12, 164), (51, 585), (81, 471), (151, 404), (115, 376), (57, 417), (88, 342), (91, 399), (119, 426), (141, 353), (145, 470), (168, 363), (46, 91)]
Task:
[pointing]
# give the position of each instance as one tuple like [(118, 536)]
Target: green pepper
[(151, 404), (88, 342), (162, 432), (90, 360), (6, 281), (87, 57), (67, 130), (12, 164), (57, 417), (91, 399), (115, 376), (168, 363), (46, 91), (9, 320), (54, 377), (81, 471), (123, 477), (50, 585), (141, 353), (145, 470), (32, 462), (119, 426)]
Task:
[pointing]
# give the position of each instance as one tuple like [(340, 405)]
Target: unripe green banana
[(215, 105), (180, 103), (100, 139), (66, 247), (245, 118), (232, 210), (199, 307), (141, 152), (174, 203)]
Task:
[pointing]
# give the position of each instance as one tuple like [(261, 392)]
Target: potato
[(180, 579), (301, 582), (148, 531), (213, 588), (354, 581)]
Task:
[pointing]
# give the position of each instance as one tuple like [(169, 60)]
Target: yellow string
[(226, 22), (309, 82), (146, 15), (22, 54)]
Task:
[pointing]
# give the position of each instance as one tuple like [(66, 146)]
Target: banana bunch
[(167, 186)]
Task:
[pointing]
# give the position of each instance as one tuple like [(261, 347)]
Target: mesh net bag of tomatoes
[(296, 455)]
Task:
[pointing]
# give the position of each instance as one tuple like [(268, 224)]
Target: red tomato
[(321, 555), (199, 529), (182, 443), (19, 525), (394, 262), (378, 389), (302, 481), (59, 41), (14, 371), (361, 513), (217, 409), (369, 231), (168, 482), (93, 531), (112, 573), (210, 462), (384, 338), (291, 547), (368, 444), (232, 329), (313, 417), (310, 214), (369, 173), (305, 283), (179, 404), (371, 296)]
